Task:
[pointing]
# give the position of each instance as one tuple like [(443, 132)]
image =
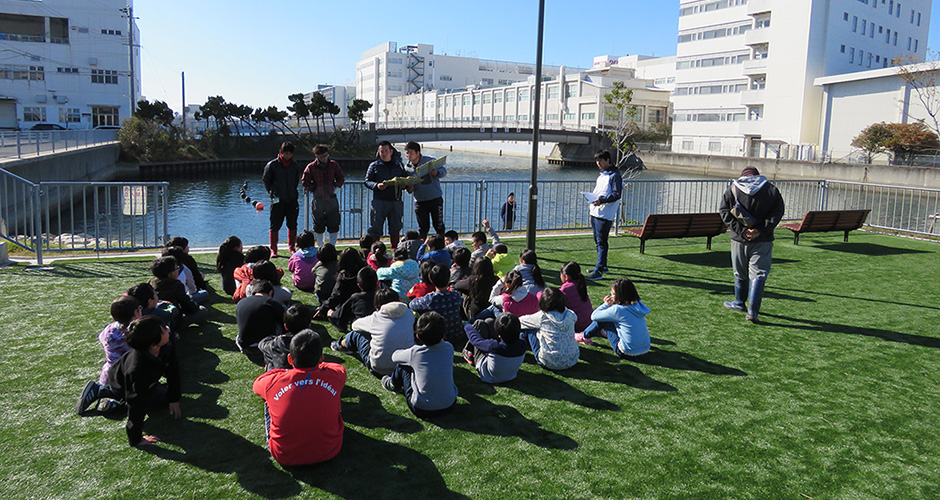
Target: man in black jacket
[(751, 208), (281, 177)]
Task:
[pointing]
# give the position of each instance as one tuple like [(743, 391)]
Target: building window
[(104, 115), (67, 70), (551, 116), (571, 90), (476, 98), (111, 32), (842, 49), (34, 114), (854, 24), (70, 115), (487, 81), (714, 147), (587, 116), (523, 118), (657, 115), (845, 16), (487, 98), (688, 145), (466, 99), (569, 117), (498, 97), (524, 94), (851, 55), (443, 78), (553, 91), (104, 76), (510, 118), (17, 72), (511, 96)]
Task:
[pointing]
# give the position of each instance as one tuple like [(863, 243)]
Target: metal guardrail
[(31, 143), (69, 216), (495, 125)]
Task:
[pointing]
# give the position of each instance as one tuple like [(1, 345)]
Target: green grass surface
[(836, 396)]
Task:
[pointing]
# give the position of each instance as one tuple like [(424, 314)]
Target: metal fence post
[(37, 223), (824, 195), (19, 146)]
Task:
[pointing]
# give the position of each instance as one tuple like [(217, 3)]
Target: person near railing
[(386, 197), (751, 208), (321, 178), (281, 177), (429, 198), (603, 211)]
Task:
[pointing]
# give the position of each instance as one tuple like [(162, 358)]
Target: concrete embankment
[(90, 163), (730, 167)]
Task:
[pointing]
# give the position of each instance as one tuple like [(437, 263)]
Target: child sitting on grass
[(411, 244), (452, 241), (502, 262), (378, 257), (275, 348), (425, 286), (375, 337), (267, 271), (495, 348), (445, 302), (478, 241), (433, 249), (461, 267), (511, 296), (325, 271), (187, 260), (365, 246), (425, 372), (623, 317), (531, 272), (165, 272), (303, 423), (404, 273), (345, 285), (359, 304), (244, 274), (258, 316), (113, 340), (134, 378), (302, 262), (574, 286), (550, 332), (151, 304), (229, 259), (186, 275)]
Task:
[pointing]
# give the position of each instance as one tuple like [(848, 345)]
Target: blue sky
[(257, 53)]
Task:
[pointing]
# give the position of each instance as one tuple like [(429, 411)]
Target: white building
[(745, 69), (388, 71), (341, 96), (573, 100), (854, 101), (66, 62)]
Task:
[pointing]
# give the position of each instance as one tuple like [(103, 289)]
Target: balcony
[(757, 37), (752, 97), (750, 127), (758, 7), (755, 67)]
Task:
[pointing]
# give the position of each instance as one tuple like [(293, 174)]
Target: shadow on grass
[(873, 249), (683, 361), (604, 367), (199, 368), (186, 441), (544, 384), (365, 409), (139, 269), (368, 468), (482, 416), (820, 326), (712, 287)]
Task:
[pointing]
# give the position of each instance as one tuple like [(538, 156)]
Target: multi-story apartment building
[(66, 62), (387, 71), (745, 69), (569, 100), (341, 96)]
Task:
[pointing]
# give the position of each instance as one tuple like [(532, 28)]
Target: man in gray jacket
[(429, 199), (751, 208)]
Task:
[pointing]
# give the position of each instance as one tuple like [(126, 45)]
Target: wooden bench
[(659, 226), (821, 221)]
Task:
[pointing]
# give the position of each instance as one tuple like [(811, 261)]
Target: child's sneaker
[(88, 396), (579, 336), (108, 405), (388, 384), (468, 356), (337, 345)]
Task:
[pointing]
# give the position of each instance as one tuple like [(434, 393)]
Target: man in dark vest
[(281, 177)]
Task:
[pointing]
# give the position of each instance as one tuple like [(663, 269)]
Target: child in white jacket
[(376, 336), (550, 332)]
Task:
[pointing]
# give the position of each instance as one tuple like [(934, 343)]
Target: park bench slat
[(660, 226), (823, 221)]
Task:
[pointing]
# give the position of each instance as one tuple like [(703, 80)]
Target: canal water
[(206, 207)]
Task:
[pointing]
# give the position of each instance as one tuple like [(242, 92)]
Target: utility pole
[(183, 81), (129, 10), (533, 183)]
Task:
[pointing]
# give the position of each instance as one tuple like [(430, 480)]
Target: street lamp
[(533, 183)]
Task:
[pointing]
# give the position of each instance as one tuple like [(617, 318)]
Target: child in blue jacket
[(623, 317)]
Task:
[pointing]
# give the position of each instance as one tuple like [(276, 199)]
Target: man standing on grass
[(386, 197), (607, 190), (321, 178), (281, 177), (429, 198), (751, 208)]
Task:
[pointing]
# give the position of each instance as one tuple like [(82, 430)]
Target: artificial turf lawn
[(837, 395)]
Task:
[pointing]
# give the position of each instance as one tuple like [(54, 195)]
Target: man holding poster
[(604, 198)]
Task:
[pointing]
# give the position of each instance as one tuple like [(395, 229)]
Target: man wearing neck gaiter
[(281, 177)]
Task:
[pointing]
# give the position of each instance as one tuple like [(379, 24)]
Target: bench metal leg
[(796, 238), (709, 244), (846, 239), (642, 246)]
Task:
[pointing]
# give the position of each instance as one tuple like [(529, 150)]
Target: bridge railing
[(484, 125), (30, 143)]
